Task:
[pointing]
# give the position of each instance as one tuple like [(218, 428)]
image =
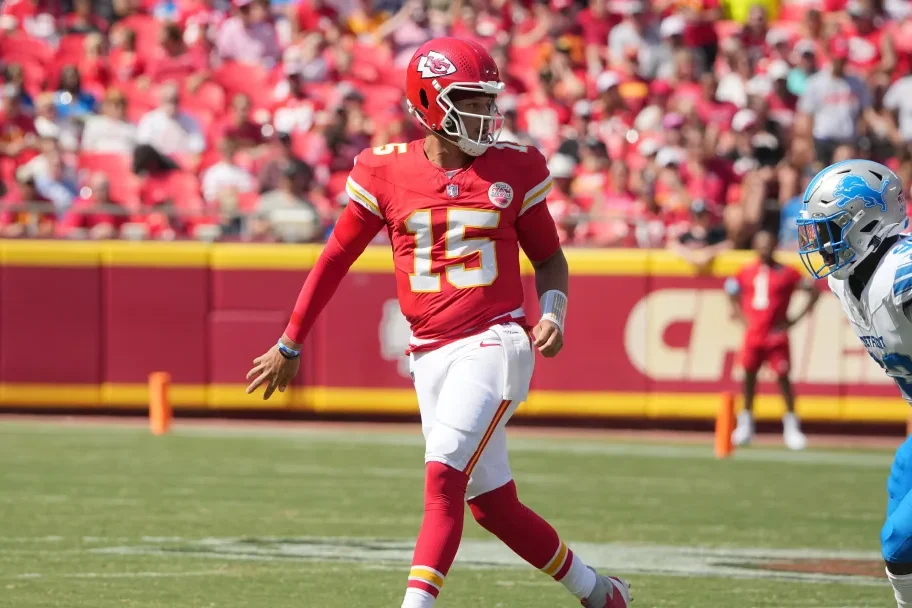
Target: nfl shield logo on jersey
[(452, 190), (500, 194)]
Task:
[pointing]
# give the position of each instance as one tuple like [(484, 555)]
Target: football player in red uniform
[(760, 295), (458, 206)]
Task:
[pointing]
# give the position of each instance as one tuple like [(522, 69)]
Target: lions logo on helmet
[(849, 209)]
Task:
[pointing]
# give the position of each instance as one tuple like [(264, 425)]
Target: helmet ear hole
[(423, 98), (869, 227)]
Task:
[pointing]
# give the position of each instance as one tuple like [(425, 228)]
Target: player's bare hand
[(548, 338), (273, 371)]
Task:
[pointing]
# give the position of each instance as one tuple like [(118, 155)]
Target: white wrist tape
[(554, 307)]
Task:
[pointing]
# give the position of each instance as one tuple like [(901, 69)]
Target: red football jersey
[(456, 234), (765, 295)]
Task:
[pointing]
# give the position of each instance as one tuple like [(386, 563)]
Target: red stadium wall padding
[(646, 336), (156, 320), (363, 336), (51, 320)]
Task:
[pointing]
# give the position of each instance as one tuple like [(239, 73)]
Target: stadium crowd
[(682, 123)]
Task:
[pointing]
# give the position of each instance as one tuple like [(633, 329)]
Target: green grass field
[(102, 516)]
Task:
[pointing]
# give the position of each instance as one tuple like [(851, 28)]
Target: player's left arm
[(538, 237), (807, 286)]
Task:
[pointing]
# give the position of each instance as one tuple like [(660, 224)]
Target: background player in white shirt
[(851, 230)]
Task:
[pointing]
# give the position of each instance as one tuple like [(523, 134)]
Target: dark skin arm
[(552, 273)]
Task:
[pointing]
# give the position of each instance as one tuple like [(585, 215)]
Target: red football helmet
[(447, 65)]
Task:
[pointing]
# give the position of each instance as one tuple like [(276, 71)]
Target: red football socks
[(532, 538), (441, 532)]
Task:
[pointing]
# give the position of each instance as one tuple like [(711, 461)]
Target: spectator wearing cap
[(288, 204), (169, 130), (782, 103), (635, 42), (110, 132), (833, 105), (870, 47), (71, 99), (805, 61), (673, 54), (670, 191), (563, 208), (249, 36), (702, 239)]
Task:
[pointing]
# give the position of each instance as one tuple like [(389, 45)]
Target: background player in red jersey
[(760, 294), (458, 206)]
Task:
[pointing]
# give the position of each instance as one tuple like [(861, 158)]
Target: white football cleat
[(744, 431), (791, 432), (609, 592)]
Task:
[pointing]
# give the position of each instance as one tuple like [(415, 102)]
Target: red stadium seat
[(210, 96), (241, 78), (147, 30), (109, 164), (23, 46), (71, 47)]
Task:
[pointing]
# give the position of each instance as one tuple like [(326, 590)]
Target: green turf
[(100, 517)]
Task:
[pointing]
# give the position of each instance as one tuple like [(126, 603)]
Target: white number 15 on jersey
[(456, 245)]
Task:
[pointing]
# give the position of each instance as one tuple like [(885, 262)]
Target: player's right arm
[(357, 226), (733, 289)]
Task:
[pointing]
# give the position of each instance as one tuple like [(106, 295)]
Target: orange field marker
[(725, 424), (160, 412)]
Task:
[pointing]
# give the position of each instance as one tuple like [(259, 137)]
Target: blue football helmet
[(849, 208)]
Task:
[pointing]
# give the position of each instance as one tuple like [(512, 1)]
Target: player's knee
[(444, 486), (491, 509), (896, 539), (447, 445)]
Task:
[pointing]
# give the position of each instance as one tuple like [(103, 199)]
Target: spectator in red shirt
[(124, 62), (314, 15), (870, 47), (238, 125), (541, 115), (596, 23), (172, 60), (753, 34), (18, 137), (93, 67)]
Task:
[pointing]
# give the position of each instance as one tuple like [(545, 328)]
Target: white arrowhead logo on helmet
[(435, 65)]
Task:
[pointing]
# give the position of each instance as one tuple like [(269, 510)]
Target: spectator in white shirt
[(169, 130), (899, 100), (833, 106), (224, 180), (110, 132)]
